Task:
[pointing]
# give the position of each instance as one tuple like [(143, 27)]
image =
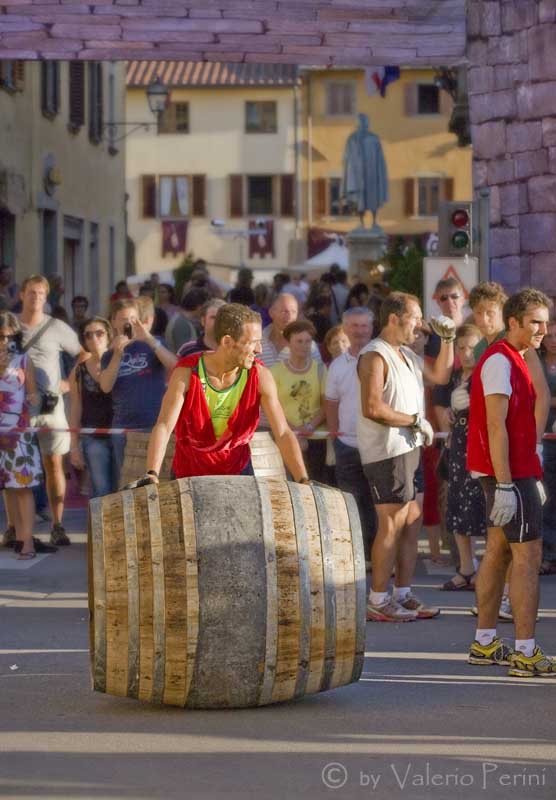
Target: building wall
[(414, 146), (216, 147), (92, 187)]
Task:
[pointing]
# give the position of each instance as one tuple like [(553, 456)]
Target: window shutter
[(236, 195), (411, 99), (319, 197), (199, 196), (445, 102), (287, 199), (19, 75), (409, 197), (44, 87), (77, 93), (149, 196), (448, 189)]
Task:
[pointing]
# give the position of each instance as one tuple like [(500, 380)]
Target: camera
[(48, 403), (128, 330)]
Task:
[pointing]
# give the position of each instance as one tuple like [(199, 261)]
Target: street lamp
[(157, 98)]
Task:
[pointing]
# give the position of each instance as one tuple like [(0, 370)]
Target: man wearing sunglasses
[(450, 297)]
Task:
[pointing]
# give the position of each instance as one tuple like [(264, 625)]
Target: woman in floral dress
[(20, 464)]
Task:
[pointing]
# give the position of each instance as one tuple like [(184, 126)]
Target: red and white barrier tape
[(119, 431)]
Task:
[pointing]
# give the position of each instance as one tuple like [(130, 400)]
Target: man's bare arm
[(440, 371), (496, 413), (172, 403), (332, 415), (285, 438), (372, 375), (542, 403)]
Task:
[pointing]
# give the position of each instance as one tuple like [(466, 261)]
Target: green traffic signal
[(460, 240)]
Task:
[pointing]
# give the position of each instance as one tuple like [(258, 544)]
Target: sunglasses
[(6, 337), (98, 334), (444, 297)]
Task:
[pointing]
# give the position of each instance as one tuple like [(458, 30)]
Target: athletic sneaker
[(494, 653), (58, 535), (412, 603), (504, 612), (389, 611), (538, 665), (8, 537)]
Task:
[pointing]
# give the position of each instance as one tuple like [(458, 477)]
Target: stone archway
[(507, 44)]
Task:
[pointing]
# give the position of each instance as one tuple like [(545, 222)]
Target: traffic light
[(458, 233)]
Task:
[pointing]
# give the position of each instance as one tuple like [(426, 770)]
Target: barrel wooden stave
[(265, 457), (243, 600)]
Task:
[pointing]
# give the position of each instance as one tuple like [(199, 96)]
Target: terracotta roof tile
[(210, 74)]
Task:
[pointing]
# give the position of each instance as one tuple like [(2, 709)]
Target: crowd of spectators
[(89, 373)]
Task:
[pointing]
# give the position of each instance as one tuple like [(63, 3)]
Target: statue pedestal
[(366, 247)]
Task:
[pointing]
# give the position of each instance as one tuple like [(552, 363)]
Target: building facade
[(224, 150), (62, 174), (425, 165), (261, 146)]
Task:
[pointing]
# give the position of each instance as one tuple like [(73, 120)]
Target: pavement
[(420, 724)]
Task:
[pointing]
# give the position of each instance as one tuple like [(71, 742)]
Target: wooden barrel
[(225, 592), (265, 457)]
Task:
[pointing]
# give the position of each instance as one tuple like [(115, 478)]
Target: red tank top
[(520, 422), (198, 452)]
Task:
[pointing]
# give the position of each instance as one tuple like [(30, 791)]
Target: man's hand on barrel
[(148, 478)]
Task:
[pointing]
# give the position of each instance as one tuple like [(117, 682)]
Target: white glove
[(505, 505), (554, 427), (542, 492), (444, 327), (540, 452), (460, 399), (424, 427)]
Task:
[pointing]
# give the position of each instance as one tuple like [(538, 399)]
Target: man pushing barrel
[(212, 402)]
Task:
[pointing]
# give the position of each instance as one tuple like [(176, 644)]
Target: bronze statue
[(365, 173)]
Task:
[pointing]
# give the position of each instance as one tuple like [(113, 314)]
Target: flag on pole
[(378, 78)]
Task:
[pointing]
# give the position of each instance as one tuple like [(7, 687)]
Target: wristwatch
[(152, 472)]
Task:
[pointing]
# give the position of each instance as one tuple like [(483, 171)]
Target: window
[(76, 95), (173, 196), (174, 118), (254, 195), (259, 194), (50, 88), (340, 99), (428, 99), (12, 75), (428, 193), (7, 237), (328, 200), (96, 121), (261, 117), (423, 195)]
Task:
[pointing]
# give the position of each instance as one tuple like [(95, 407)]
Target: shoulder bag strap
[(35, 338)]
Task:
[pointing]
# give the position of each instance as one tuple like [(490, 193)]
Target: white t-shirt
[(496, 375), (342, 387)]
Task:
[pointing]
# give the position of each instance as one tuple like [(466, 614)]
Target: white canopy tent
[(335, 253)]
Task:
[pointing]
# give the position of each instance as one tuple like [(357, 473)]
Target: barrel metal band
[(132, 594), (304, 589), (191, 581), (360, 584), (157, 556), (99, 599), (271, 645), (329, 588)]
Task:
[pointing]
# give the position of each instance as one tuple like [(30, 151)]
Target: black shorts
[(393, 480), (526, 526)]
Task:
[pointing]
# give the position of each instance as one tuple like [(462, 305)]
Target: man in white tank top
[(391, 430)]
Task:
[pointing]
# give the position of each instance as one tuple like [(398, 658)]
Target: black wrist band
[(304, 480), (152, 472)]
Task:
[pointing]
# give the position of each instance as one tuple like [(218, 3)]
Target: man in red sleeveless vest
[(238, 383), (502, 453)]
